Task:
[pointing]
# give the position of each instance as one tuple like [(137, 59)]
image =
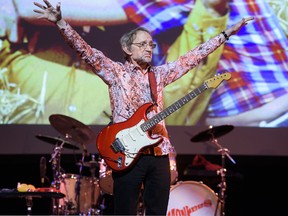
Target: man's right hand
[(49, 12)]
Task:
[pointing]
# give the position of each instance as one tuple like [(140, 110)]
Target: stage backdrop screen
[(41, 75)]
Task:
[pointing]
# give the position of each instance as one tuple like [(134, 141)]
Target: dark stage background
[(256, 185)]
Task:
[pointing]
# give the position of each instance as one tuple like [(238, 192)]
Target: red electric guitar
[(120, 144)]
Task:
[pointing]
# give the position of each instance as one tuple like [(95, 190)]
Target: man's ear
[(127, 50)]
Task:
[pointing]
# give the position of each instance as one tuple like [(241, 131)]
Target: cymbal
[(212, 133), (90, 164), (56, 141), (72, 129)]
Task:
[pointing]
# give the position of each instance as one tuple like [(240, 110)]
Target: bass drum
[(192, 198), (88, 194)]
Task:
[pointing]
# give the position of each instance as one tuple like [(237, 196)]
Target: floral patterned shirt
[(129, 87)]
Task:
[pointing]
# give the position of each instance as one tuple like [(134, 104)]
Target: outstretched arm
[(84, 12), (236, 27)]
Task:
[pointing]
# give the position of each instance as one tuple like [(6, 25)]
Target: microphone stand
[(55, 159), (222, 172)]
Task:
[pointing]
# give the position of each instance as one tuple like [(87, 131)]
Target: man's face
[(141, 48)]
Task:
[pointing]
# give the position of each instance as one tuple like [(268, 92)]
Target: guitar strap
[(158, 129), (153, 86)]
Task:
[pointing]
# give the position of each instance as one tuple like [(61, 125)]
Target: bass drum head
[(192, 198)]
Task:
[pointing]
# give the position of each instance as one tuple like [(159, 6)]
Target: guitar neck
[(150, 123)]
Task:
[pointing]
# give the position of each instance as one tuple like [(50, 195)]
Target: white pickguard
[(133, 139)]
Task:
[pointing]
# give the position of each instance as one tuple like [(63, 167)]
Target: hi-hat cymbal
[(57, 141), (90, 164), (212, 133), (72, 129)]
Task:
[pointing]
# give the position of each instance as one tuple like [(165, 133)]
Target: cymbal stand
[(222, 172), (93, 178), (78, 182), (55, 159), (100, 205)]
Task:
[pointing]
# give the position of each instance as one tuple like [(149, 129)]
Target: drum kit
[(84, 195), (187, 197)]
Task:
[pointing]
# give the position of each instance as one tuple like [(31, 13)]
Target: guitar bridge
[(119, 162), (117, 146)]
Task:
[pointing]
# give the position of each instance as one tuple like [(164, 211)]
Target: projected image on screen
[(40, 75)]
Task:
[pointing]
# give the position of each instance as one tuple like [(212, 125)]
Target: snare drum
[(192, 198), (88, 194), (105, 178)]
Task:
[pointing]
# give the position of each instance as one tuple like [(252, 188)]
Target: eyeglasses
[(144, 44)]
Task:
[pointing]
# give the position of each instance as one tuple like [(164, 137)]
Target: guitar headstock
[(217, 80)]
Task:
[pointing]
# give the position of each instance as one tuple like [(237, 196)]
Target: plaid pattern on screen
[(256, 56)]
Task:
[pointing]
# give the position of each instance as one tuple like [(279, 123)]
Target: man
[(130, 88)]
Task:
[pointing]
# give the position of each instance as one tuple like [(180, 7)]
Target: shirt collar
[(133, 67)]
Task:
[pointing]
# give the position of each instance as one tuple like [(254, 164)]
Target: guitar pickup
[(117, 146)]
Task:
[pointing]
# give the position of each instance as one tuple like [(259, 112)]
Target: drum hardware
[(78, 182), (82, 193), (56, 141), (85, 199), (72, 129), (222, 172), (105, 177), (56, 168), (93, 164), (79, 201), (101, 206), (210, 135), (97, 202), (90, 164), (173, 166), (55, 160)]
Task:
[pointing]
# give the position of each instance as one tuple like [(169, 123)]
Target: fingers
[(42, 6), (47, 3), (245, 20), (38, 11), (250, 18), (39, 5), (58, 6)]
